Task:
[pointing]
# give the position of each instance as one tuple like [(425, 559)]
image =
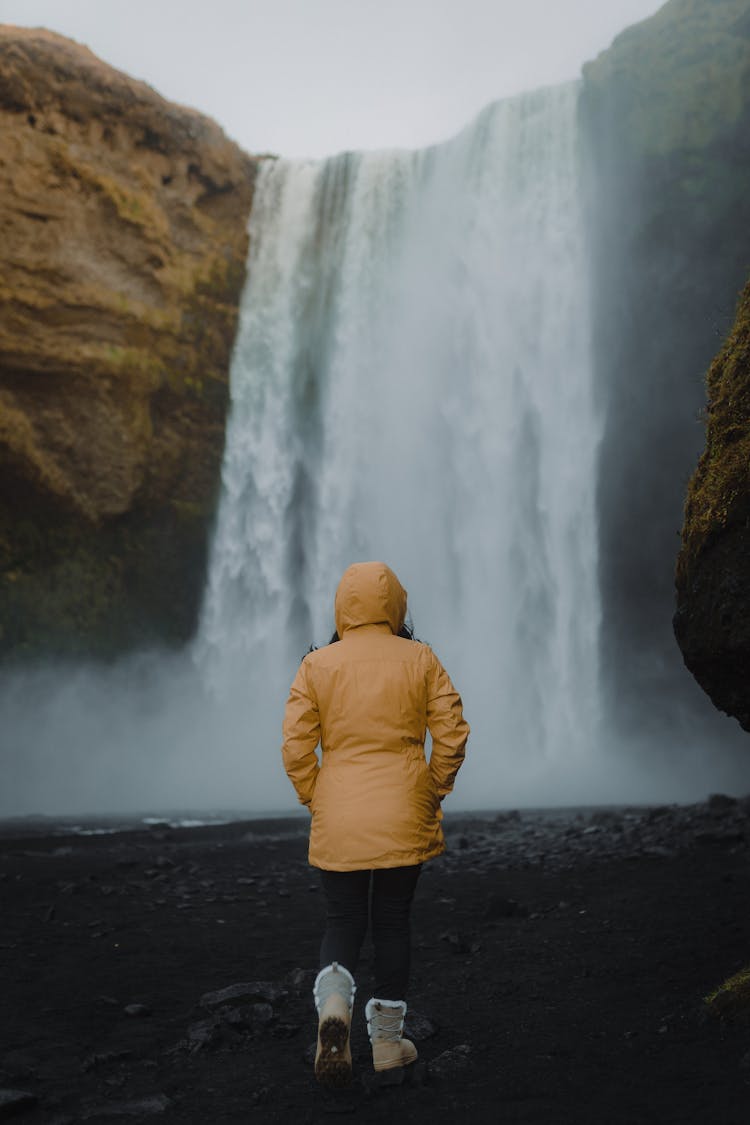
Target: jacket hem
[(408, 859)]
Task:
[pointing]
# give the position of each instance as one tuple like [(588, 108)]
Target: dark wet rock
[(15, 1101), (227, 1024), (450, 1063), (258, 991), (102, 1058), (251, 1017), (302, 980), (164, 861), (418, 1027), (150, 1106), (459, 943), (204, 1033)]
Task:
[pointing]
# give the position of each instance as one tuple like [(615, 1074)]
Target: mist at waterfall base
[(412, 382)]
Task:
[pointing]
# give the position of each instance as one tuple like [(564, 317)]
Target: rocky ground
[(560, 965)]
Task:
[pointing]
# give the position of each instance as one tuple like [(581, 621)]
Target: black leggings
[(347, 900)]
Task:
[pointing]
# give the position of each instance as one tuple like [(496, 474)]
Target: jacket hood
[(369, 593)]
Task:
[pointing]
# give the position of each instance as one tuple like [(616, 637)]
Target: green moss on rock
[(719, 491), (712, 622), (731, 1000)]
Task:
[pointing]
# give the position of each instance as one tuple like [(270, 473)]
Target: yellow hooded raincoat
[(369, 700)]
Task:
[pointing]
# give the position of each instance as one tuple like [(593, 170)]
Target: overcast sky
[(312, 77)]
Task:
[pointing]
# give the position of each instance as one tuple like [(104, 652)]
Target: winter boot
[(385, 1025), (334, 997)]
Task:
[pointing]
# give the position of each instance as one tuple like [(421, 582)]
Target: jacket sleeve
[(447, 726), (301, 731)]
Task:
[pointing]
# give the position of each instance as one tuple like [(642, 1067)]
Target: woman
[(374, 799)]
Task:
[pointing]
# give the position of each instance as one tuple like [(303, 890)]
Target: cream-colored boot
[(334, 998), (385, 1025)]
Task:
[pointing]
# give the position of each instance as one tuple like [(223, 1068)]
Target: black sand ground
[(559, 969)]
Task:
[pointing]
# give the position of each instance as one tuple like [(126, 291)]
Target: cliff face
[(667, 115), (712, 623), (122, 258)]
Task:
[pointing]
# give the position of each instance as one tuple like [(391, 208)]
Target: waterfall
[(412, 382)]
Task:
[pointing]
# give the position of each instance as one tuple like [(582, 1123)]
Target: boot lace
[(388, 1024)]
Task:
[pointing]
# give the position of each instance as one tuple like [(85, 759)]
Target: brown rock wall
[(712, 622), (123, 239)]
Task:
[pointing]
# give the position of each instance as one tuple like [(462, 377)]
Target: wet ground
[(560, 965)]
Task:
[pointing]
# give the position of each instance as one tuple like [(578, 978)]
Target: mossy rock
[(121, 268), (719, 492), (712, 622), (79, 589), (731, 1000)]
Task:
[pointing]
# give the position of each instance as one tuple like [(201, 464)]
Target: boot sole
[(333, 1066)]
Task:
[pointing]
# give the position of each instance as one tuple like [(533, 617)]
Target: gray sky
[(312, 77)]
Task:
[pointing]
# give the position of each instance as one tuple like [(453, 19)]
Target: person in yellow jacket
[(369, 700)]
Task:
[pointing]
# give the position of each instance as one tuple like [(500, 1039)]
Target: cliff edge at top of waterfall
[(121, 265), (712, 623), (679, 78)]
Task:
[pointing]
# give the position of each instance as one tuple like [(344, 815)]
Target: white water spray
[(413, 382)]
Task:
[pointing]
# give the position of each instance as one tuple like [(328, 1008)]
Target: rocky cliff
[(122, 258), (667, 116), (712, 623)]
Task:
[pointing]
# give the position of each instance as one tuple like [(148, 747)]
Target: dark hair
[(406, 631)]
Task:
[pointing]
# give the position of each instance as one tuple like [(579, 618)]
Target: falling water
[(412, 381)]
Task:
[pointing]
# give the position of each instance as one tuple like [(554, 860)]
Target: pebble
[(140, 1107), (418, 1027), (100, 1058), (498, 907), (252, 1016), (204, 1033), (450, 1063)]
